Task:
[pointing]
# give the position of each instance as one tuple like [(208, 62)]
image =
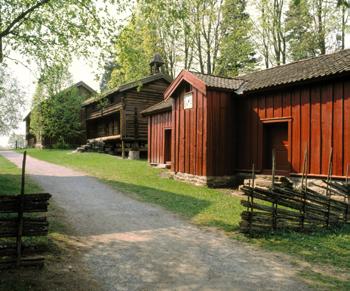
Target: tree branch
[(22, 16)]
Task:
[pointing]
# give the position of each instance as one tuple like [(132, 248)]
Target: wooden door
[(167, 146), (276, 138)]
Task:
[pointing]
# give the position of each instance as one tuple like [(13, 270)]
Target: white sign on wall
[(188, 101)]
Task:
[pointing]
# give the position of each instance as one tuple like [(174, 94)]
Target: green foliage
[(135, 48), (236, 48), (302, 40), (11, 101), (56, 110), (49, 30)]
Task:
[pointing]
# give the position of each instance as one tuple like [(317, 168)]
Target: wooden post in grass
[(20, 212), (275, 199), (347, 199), (123, 149), (304, 186), (273, 168)]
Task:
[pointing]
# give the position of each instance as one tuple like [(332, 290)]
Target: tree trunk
[(321, 33)]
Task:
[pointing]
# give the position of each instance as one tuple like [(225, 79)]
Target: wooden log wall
[(137, 100), (319, 115), (189, 137), (156, 125)]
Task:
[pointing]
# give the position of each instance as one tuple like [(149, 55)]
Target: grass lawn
[(323, 257), (10, 179)]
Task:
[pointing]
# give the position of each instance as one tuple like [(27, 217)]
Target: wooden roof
[(212, 81), (163, 106), (128, 86), (303, 70)]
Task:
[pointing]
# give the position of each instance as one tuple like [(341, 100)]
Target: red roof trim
[(188, 77)]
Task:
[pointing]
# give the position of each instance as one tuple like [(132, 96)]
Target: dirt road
[(130, 245)]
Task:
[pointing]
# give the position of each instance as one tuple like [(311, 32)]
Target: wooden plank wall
[(221, 133), (320, 119), (156, 125), (189, 135)]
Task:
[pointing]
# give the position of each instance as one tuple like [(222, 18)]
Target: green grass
[(10, 179), (327, 252)]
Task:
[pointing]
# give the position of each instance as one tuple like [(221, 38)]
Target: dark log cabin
[(115, 117), (84, 91), (221, 126)]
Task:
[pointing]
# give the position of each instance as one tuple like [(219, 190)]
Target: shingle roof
[(163, 106), (219, 82), (303, 70), (128, 86)]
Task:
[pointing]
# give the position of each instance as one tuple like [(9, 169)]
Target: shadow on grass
[(185, 205), (10, 184)]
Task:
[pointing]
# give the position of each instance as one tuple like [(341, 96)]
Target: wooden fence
[(286, 208), (22, 216)]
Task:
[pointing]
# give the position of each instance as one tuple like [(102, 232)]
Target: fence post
[(304, 186), (273, 168), (347, 198), (329, 178), (274, 204), (20, 212)]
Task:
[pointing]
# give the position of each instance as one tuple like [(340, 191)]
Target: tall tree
[(37, 126), (271, 32), (344, 6), (300, 35), (135, 47), (236, 48), (11, 101)]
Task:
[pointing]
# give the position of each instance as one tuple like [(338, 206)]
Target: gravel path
[(130, 245)]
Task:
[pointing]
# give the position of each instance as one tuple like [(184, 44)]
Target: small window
[(188, 100)]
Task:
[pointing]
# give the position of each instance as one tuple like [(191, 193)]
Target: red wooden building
[(221, 126)]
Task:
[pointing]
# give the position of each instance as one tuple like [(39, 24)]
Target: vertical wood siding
[(156, 125), (220, 133), (320, 120), (189, 142)]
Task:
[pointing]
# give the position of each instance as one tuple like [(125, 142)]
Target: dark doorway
[(167, 146), (276, 138)]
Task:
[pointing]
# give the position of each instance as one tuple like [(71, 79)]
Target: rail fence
[(22, 216), (287, 208)]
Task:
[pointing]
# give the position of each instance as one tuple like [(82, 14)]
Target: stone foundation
[(215, 182)]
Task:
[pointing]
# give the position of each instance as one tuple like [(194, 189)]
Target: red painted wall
[(156, 125), (221, 133), (189, 148), (319, 118)]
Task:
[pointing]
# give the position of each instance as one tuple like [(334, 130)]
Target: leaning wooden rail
[(302, 209), (283, 208), (19, 218)]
